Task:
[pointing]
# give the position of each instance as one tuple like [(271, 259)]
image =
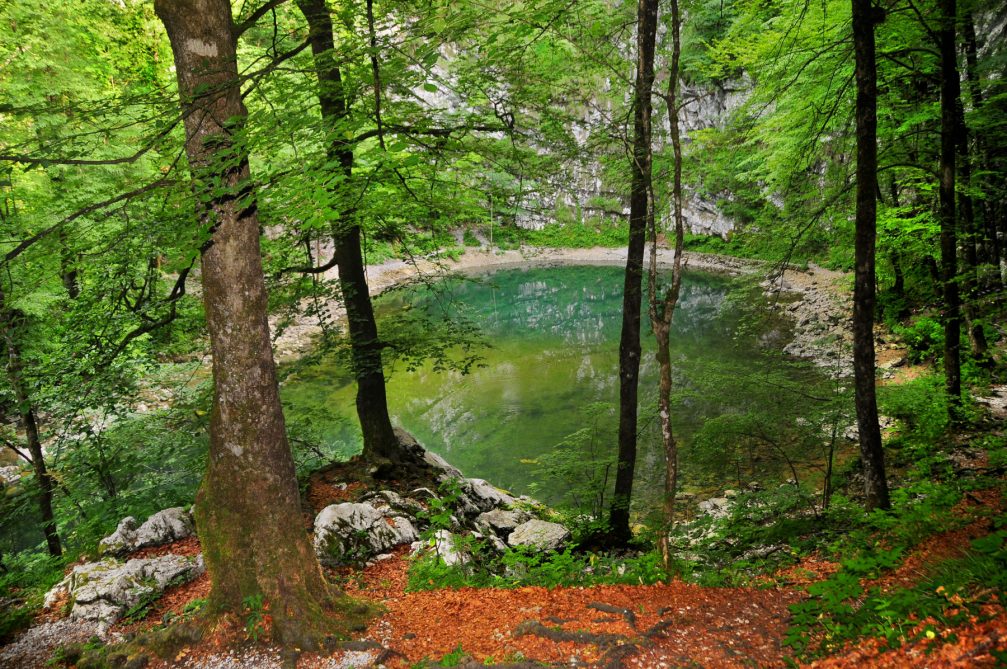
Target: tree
[(951, 315), (380, 441), (662, 312), (248, 507), (10, 320), (641, 208), (865, 17)]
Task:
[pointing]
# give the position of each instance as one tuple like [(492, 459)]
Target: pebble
[(33, 649)]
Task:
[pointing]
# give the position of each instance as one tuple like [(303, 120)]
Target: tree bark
[(949, 261), (380, 441), (26, 414), (992, 251), (662, 314), (970, 230), (629, 343), (871, 453), (248, 508)]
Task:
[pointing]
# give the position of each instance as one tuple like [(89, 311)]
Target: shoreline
[(820, 314)]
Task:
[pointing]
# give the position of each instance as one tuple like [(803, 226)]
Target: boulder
[(539, 534), (445, 545), (392, 504), (354, 532), (501, 521), (119, 542), (716, 507), (484, 496), (162, 528), (102, 591)]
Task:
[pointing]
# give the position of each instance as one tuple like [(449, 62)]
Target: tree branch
[(27, 243), (240, 28)]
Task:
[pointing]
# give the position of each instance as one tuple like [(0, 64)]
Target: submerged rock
[(355, 532), (539, 534)]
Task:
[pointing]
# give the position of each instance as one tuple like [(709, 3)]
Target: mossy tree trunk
[(372, 403), (248, 510), (632, 299)]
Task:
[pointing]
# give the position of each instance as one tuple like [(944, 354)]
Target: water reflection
[(555, 339)]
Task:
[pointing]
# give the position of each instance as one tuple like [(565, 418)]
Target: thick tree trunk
[(372, 403), (248, 509), (26, 414), (871, 453), (949, 261), (629, 343)]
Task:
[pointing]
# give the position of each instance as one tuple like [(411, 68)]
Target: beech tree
[(949, 244), (248, 508), (372, 403), (865, 16), (641, 208)]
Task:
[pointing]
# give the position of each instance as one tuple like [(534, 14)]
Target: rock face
[(162, 528), (353, 532), (539, 534), (103, 591)]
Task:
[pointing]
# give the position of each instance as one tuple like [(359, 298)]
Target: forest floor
[(677, 624)]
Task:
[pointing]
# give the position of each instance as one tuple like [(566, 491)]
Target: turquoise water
[(551, 372)]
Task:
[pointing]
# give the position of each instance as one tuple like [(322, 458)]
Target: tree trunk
[(871, 453), (949, 262), (639, 203), (990, 247), (26, 414), (372, 404), (662, 314), (248, 509), (970, 271)]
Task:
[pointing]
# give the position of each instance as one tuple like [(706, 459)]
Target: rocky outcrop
[(162, 528), (103, 591), (465, 509)]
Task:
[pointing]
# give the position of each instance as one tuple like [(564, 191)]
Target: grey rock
[(445, 545), (716, 507), (354, 532), (102, 591), (485, 496), (501, 521), (391, 503), (161, 528), (9, 475), (120, 541), (165, 527), (539, 534)]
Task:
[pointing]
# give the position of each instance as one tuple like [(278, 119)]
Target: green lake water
[(550, 372)]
